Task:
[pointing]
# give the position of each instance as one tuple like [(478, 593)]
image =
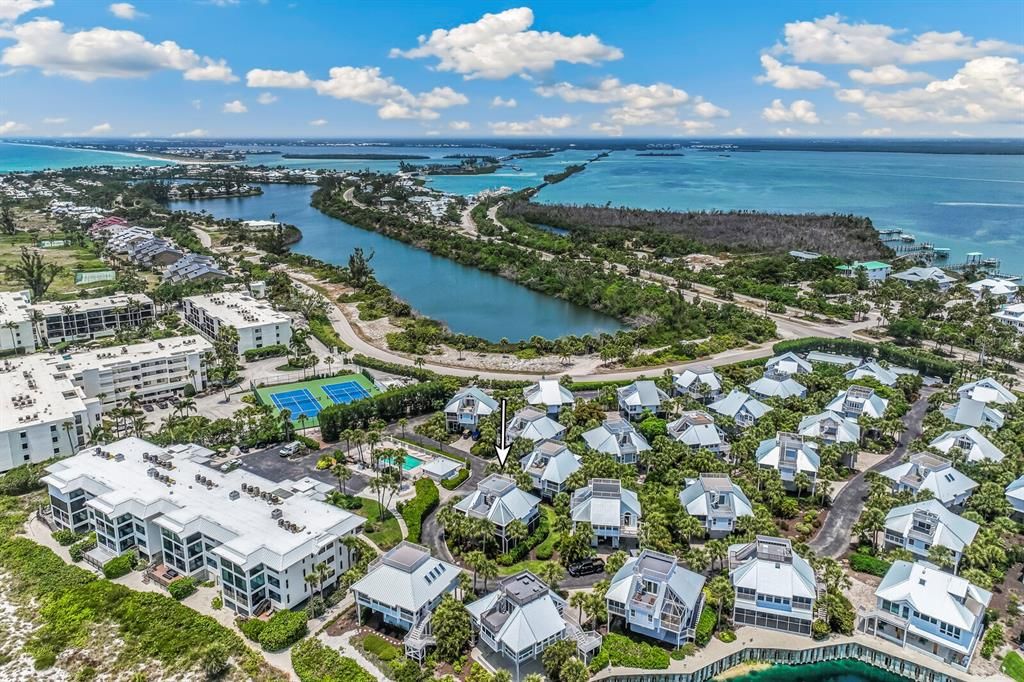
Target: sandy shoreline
[(138, 155)]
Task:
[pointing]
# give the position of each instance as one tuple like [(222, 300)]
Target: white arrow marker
[(502, 447)]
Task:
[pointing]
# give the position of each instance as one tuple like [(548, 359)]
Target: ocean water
[(964, 202), (32, 157), (833, 671)]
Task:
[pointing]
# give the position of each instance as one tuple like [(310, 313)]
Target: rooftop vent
[(234, 495)]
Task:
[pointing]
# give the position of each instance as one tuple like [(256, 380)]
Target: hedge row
[(275, 351), (392, 368), (926, 363), (389, 406), (180, 588), (519, 552), (317, 662), (705, 626), (427, 497), (283, 629), (459, 479), (625, 652), (865, 563)]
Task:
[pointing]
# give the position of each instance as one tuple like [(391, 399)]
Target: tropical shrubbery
[(628, 653), (276, 350), (865, 563), (427, 497), (317, 662), (119, 566), (180, 588), (519, 552), (78, 550), (400, 402), (65, 537), (705, 627), (283, 629), (457, 480)]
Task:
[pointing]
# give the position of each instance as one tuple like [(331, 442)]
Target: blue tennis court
[(345, 392), (298, 402)]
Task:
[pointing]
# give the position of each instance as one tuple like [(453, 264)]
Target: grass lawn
[(315, 387), (70, 258), (385, 534), (1013, 665), (534, 565)]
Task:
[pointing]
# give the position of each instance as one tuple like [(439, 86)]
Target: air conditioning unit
[(276, 514), (234, 495)]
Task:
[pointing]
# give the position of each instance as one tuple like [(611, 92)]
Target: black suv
[(586, 567)]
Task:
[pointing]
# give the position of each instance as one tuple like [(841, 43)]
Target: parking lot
[(271, 465)]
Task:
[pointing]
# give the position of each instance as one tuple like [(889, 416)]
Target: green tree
[(551, 572), (452, 628), (573, 670), (555, 656), (31, 270), (225, 352), (359, 270)]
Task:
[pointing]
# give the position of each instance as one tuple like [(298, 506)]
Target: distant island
[(661, 154), (367, 157)]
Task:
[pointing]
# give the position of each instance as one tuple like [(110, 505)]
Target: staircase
[(587, 641), (419, 638), (820, 611)]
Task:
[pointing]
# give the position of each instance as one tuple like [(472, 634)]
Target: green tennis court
[(93, 276), (309, 397)]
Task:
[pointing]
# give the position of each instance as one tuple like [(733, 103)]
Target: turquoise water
[(468, 300), (964, 202), (30, 157), (833, 671), (408, 463)]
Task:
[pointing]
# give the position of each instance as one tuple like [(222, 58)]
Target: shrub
[(688, 649), (599, 662), (275, 351), (623, 651), (457, 480), (726, 636), (283, 629), (380, 647), (316, 662), (865, 563), (820, 629), (994, 638), (21, 480), (78, 550), (307, 441), (252, 628), (65, 537), (705, 626), (401, 402), (214, 660), (519, 552), (427, 497), (179, 588), (118, 566), (216, 603)]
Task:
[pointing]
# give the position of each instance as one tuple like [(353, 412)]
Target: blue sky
[(264, 68)]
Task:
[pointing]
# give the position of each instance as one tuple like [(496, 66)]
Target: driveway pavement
[(271, 465)]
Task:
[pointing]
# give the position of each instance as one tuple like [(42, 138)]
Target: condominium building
[(17, 330), (775, 587), (193, 267), (258, 540), (93, 318), (257, 323)]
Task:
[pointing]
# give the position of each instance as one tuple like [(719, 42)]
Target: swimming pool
[(408, 464)]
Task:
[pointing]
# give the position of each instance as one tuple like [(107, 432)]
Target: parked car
[(586, 567), (293, 448), (148, 407)]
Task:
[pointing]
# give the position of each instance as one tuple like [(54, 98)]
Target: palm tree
[(330, 361), (419, 362), (302, 421), (343, 473), (717, 551), (515, 532), (578, 600), (68, 427), (801, 482), (551, 573), (402, 423), (475, 559), (488, 569), (10, 326), (720, 590)]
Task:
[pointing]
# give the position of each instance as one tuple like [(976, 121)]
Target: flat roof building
[(257, 323), (17, 330), (86, 319)]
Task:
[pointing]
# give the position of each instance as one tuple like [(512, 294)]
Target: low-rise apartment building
[(17, 329), (93, 318), (257, 323)]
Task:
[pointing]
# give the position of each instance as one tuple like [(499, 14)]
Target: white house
[(994, 287), (697, 430), (987, 390), (700, 383), (257, 323), (917, 527), (657, 597), (932, 612), (257, 539), (93, 318), (466, 408), (775, 588), (534, 425), (830, 428), (612, 511), (1015, 496), (1012, 315), (776, 386), (857, 401), (640, 397), (790, 454), (549, 395), (917, 275), (925, 471), (618, 438), (873, 370), (743, 409), (971, 442), (498, 500), (975, 406), (834, 359), (786, 365), (17, 330), (716, 501), (404, 586), (523, 617), (876, 271), (549, 465)]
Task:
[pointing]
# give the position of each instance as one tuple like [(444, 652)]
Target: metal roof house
[(918, 526), (404, 586), (775, 386), (790, 454), (975, 407), (534, 425), (716, 501), (618, 438), (925, 471), (930, 611), (549, 465), (994, 287), (971, 442), (1015, 496), (523, 617), (787, 365), (697, 430), (834, 359), (612, 511), (466, 408), (987, 390), (932, 274), (700, 383), (775, 587), (641, 396), (873, 370), (550, 395), (740, 407), (856, 401), (876, 271), (657, 597), (830, 428), (498, 500)]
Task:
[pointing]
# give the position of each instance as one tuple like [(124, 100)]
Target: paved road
[(833, 538), (269, 464)]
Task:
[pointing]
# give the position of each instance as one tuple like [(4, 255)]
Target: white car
[(293, 448)]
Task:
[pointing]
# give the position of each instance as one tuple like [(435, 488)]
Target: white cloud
[(124, 10), (736, 132), (8, 127), (984, 90), (612, 90), (877, 132), (142, 133), (786, 77), (605, 129), (830, 40), (55, 120), (195, 132), (509, 103), (628, 116), (888, 74), (269, 78), (501, 45), (541, 125), (787, 132), (12, 9), (709, 110), (197, 104), (103, 53), (800, 111), (432, 133), (695, 126), (266, 98), (392, 110), (235, 107), (99, 129), (460, 125), (318, 122), (442, 98), (852, 117)]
